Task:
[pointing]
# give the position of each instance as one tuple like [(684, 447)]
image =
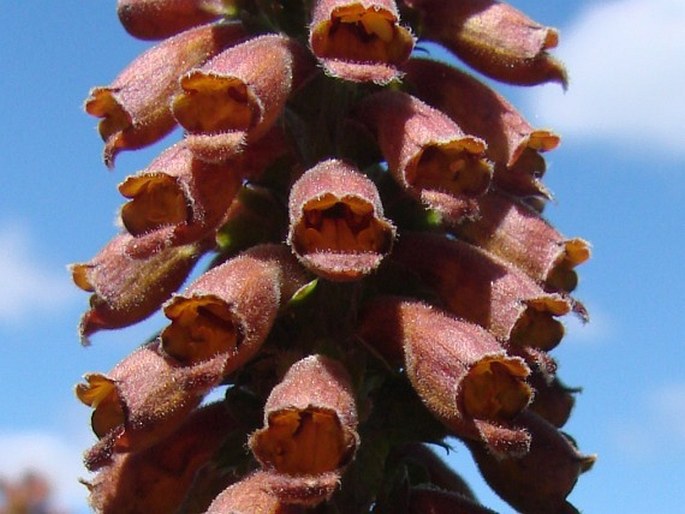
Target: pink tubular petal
[(337, 228), (135, 107), (359, 40)]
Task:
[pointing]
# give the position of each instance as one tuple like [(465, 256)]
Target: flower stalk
[(378, 273)]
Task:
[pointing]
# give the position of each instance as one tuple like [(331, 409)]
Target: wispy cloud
[(28, 285), (668, 404), (660, 428), (51, 456), (627, 78)]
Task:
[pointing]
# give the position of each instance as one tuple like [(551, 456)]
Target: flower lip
[(537, 326), (343, 226), (360, 41), (495, 388), (310, 420), (201, 327), (156, 200), (309, 441), (337, 228), (456, 168), (212, 104), (101, 393)]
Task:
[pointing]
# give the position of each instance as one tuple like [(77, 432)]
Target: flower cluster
[(380, 275)]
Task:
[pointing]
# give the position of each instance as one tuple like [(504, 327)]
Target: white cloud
[(27, 285), (625, 60), (660, 428), (668, 404), (51, 456)]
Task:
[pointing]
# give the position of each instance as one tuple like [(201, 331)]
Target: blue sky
[(618, 177)]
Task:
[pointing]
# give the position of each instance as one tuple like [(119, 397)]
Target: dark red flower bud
[(159, 19), (127, 289), (513, 144), (142, 400), (135, 107), (361, 41), (494, 38), (427, 153), (459, 370), (229, 310), (337, 228), (156, 480), (236, 97), (540, 480), (482, 289), (517, 233), (553, 400)]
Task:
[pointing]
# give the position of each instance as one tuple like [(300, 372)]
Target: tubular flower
[(484, 290), (176, 191), (514, 146), (310, 430), (494, 38), (156, 480), (144, 399), (540, 480), (252, 495), (127, 289), (459, 370), (229, 310), (159, 19), (337, 228), (236, 97), (517, 233), (359, 40), (135, 107), (427, 153), (378, 269)]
